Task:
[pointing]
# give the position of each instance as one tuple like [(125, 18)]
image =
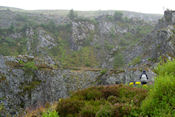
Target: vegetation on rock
[(121, 100), (79, 42), (50, 114)]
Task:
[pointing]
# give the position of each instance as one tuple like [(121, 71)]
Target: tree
[(118, 60), (118, 15), (11, 28), (72, 15)]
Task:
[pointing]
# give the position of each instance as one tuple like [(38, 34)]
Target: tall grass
[(160, 101)]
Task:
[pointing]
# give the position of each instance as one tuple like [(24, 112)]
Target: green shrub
[(110, 91), (161, 99), (50, 114), (105, 111), (30, 66), (136, 60), (118, 60), (85, 57), (166, 68), (22, 18), (88, 94), (121, 110), (125, 110), (92, 95), (72, 14), (102, 72), (69, 106), (112, 99), (132, 94), (96, 103), (118, 15), (103, 101), (88, 111), (1, 107)]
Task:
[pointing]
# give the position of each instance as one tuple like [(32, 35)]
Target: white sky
[(144, 6)]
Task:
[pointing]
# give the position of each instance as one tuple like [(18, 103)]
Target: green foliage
[(85, 57), (95, 94), (4, 50), (51, 26), (72, 15), (102, 72), (50, 114), (118, 60), (21, 18), (103, 101), (138, 31), (87, 95), (145, 29), (128, 35), (88, 111), (30, 66), (27, 88), (30, 86), (118, 15), (105, 111), (61, 30), (12, 28), (166, 69), (108, 45), (135, 61), (1, 107), (121, 110), (68, 106), (112, 99), (161, 99), (11, 46), (124, 42)]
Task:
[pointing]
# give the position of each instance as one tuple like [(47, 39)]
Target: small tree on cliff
[(118, 15), (72, 15)]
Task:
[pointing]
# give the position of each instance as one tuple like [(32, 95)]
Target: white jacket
[(144, 78)]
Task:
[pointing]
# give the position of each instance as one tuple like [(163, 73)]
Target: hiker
[(143, 78)]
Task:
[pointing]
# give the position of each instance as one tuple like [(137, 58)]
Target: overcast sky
[(144, 6)]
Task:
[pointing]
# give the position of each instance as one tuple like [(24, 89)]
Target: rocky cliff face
[(159, 43), (94, 38), (27, 81), (42, 62)]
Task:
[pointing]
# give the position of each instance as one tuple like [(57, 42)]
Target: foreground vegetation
[(161, 99), (121, 100), (101, 101)]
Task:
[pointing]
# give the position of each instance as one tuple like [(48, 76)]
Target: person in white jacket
[(144, 78)]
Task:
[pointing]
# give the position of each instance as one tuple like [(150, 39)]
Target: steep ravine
[(25, 84), (31, 80)]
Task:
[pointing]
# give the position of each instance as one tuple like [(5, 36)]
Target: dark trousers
[(143, 83)]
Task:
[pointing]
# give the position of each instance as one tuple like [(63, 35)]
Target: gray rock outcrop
[(22, 85)]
